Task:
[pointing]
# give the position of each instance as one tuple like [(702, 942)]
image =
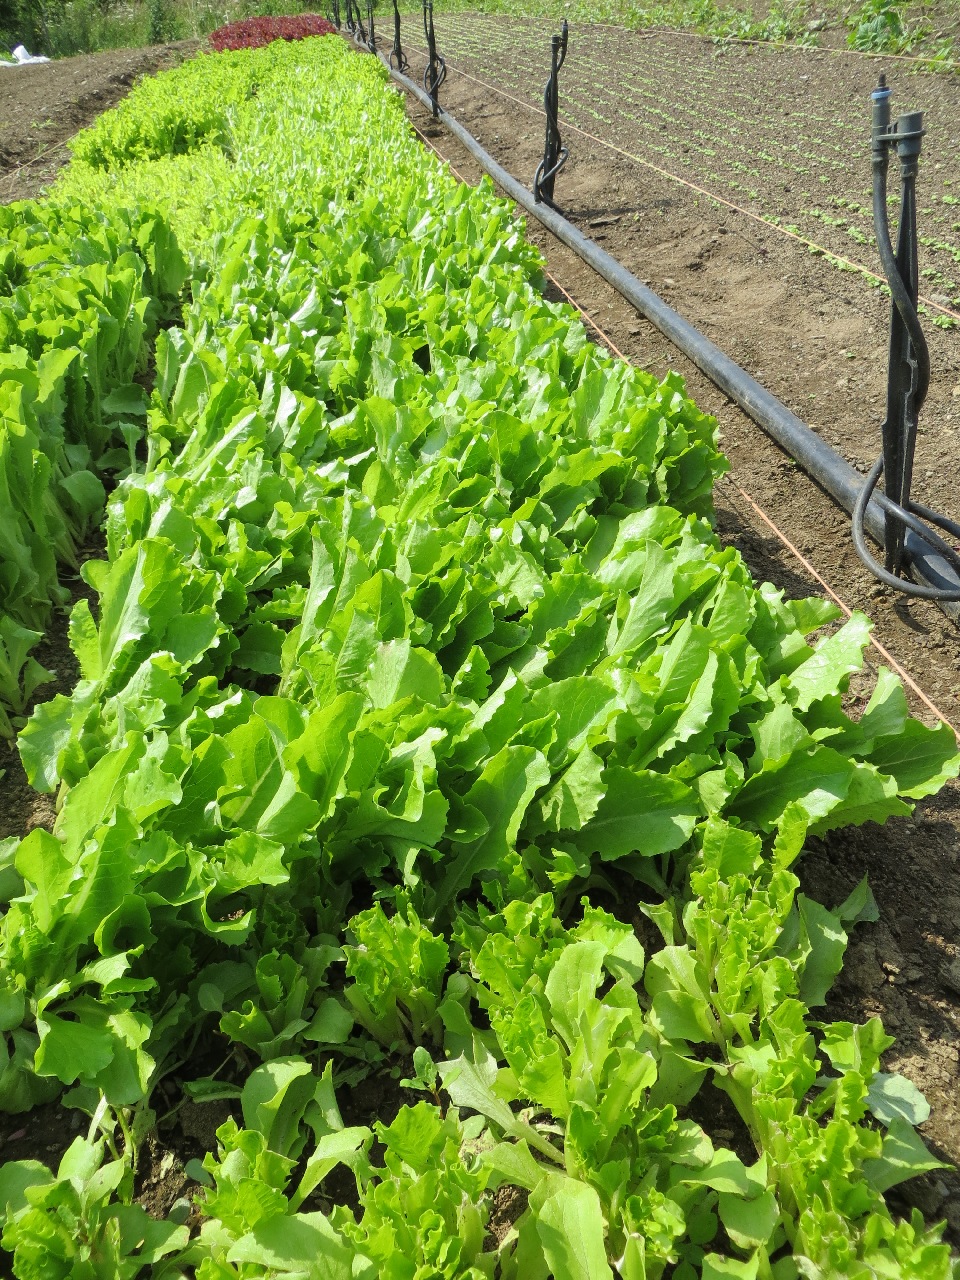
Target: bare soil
[(44, 104)]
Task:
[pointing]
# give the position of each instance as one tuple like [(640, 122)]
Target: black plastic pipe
[(816, 457)]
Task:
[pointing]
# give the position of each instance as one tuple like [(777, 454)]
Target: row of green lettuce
[(85, 286), (82, 293), (419, 691)]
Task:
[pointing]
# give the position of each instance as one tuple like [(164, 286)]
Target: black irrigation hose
[(904, 303), (355, 24), (907, 516), (435, 72), (397, 58), (554, 152), (371, 41), (929, 555), (905, 399)]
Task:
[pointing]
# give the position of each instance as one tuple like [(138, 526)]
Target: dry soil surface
[(44, 104)]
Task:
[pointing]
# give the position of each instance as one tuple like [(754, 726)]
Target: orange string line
[(884, 653), (604, 338), (795, 551), (710, 195), (12, 173)]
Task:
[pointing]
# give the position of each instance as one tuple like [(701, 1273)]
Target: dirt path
[(42, 105), (786, 315)]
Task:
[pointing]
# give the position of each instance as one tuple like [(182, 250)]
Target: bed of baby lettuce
[(427, 732)]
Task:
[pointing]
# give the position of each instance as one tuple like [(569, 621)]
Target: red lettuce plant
[(251, 33)]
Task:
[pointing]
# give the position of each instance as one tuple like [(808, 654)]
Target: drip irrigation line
[(767, 520), (709, 195)]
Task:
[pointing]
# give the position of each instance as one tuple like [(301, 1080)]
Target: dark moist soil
[(786, 316), (22, 808), (43, 104)]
